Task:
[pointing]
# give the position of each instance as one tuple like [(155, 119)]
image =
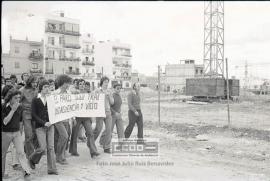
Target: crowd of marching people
[(29, 135)]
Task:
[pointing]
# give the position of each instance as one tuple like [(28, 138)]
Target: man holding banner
[(63, 82), (87, 124), (44, 129), (105, 139)]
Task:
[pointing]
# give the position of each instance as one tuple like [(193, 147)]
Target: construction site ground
[(194, 139)]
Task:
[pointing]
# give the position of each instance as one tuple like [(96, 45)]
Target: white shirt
[(43, 99)]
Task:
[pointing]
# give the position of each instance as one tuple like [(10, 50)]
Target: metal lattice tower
[(213, 56)]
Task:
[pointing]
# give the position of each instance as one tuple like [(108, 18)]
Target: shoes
[(62, 162), (31, 164), (53, 173), (107, 150), (17, 167), (75, 154), (82, 139), (26, 175), (6, 176), (93, 155)]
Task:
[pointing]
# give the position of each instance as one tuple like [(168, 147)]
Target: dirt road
[(220, 157)]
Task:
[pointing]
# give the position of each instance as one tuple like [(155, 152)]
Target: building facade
[(23, 56), (62, 46), (87, 65), (176, 74), (113, 59)]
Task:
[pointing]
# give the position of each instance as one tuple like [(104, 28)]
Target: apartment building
[(23, 56), (113, 59), (62, 46)]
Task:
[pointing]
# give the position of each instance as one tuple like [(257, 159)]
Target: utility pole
[(246, 77), (228, 95), (159, 95)]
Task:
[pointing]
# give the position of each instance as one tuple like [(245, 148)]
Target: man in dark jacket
[(44, 129), (134, 112)]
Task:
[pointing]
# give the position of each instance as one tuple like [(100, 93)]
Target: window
[(75, 28), (127, 84), (87, 70), (93, 46), (201, 71), (196, 71), (87, 48), (17, 65), (17, 50), (72, 54), (61, 27), (51, 40), (87, 58), (93, 70), (34, 65), (62, 54), (51, 54), (70, 69), (61, 41), (93, 59), (68, 27), (52, 26)]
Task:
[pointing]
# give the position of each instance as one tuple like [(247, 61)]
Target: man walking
[(105, 139), (11, 118), (116, 111), (44, 130), (134, 112)]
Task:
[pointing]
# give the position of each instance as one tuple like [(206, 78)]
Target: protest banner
[(65, 106)]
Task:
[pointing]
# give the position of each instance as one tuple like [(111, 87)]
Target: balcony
[(73, 73), (90, 63), (74, 46), (53, 30), (35, 70), (122, 55), (69, 59), (49, 71), (49, 58), (71, 33), (90, 51), (121, 65), (35, 56), (126, 55), (89, 75), (65, 32)]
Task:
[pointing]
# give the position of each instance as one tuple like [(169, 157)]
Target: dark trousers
[(132, 120), (87, 124), (31, 142), (60, 140)]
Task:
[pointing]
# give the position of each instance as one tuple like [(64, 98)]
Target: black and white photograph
[(135, 90)]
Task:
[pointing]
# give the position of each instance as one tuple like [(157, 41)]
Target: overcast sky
[(158, 32)]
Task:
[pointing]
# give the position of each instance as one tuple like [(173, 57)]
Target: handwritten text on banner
[(65, 106)]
